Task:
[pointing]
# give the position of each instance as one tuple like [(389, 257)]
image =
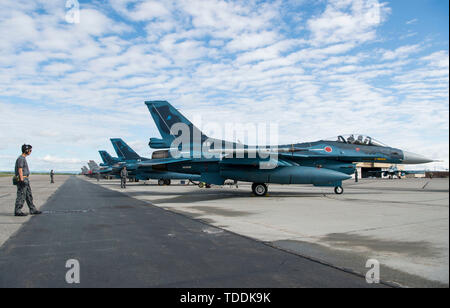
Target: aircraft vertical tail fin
[(107, 158), (165, 116), (123, 150), (92, 165)]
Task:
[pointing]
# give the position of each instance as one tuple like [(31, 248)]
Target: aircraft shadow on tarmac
[(212, 194)]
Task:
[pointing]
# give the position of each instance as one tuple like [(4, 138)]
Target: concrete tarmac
[(121, 241), (401, 223), (42, 191)]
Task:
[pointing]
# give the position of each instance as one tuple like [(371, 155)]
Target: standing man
[(23, 186), (52, 177), (123, 177)]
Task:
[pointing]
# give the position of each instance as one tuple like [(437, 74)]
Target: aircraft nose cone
[(413, 159)]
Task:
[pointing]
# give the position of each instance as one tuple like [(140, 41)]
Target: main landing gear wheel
[(259, 189), (338, 190), (161, 182), (167, 182), (204, 185)]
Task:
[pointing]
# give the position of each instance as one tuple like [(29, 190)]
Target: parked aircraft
[(93, 166), (84, 170), (393, 171), (129, 158), (107, 159), (321, 163)]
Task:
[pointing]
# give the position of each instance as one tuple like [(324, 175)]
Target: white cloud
[(438, 59), (247, 41), (149, 10), (401, 52), (58, 68), (315, 75), (347, 21), (412, 21), (58, 160), (17, 30), (93, 22)]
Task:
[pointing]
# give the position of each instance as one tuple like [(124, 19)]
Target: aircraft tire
[(167, 182), (338, 190), (161, 182), (259, 189)]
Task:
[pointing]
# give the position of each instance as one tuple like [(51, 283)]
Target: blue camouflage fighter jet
[(323, 163), (107, 159), (128, 158)]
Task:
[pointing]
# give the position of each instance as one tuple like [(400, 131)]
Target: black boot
[(20, 214), (35, 212)]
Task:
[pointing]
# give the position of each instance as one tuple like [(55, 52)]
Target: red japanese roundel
[(328, 149)]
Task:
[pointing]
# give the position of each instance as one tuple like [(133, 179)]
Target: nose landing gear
[(338, 190)]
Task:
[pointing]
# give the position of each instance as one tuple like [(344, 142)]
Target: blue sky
[(314, 68)]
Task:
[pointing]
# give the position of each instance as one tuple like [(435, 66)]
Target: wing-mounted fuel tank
[(287, 175), (156, 143), (345, 168)]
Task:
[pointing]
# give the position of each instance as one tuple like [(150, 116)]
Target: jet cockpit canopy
[(358, 139)]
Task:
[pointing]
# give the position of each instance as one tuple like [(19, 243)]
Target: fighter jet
[(106, 168), (84, 170), (107, 159), (321, 163), (93, 166), (131, 160), (394, 172)]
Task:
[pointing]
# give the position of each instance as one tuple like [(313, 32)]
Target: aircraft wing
[(413, 171), (105, 170), (254, 150), (257, 161), (310, 154), (162, 161)]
